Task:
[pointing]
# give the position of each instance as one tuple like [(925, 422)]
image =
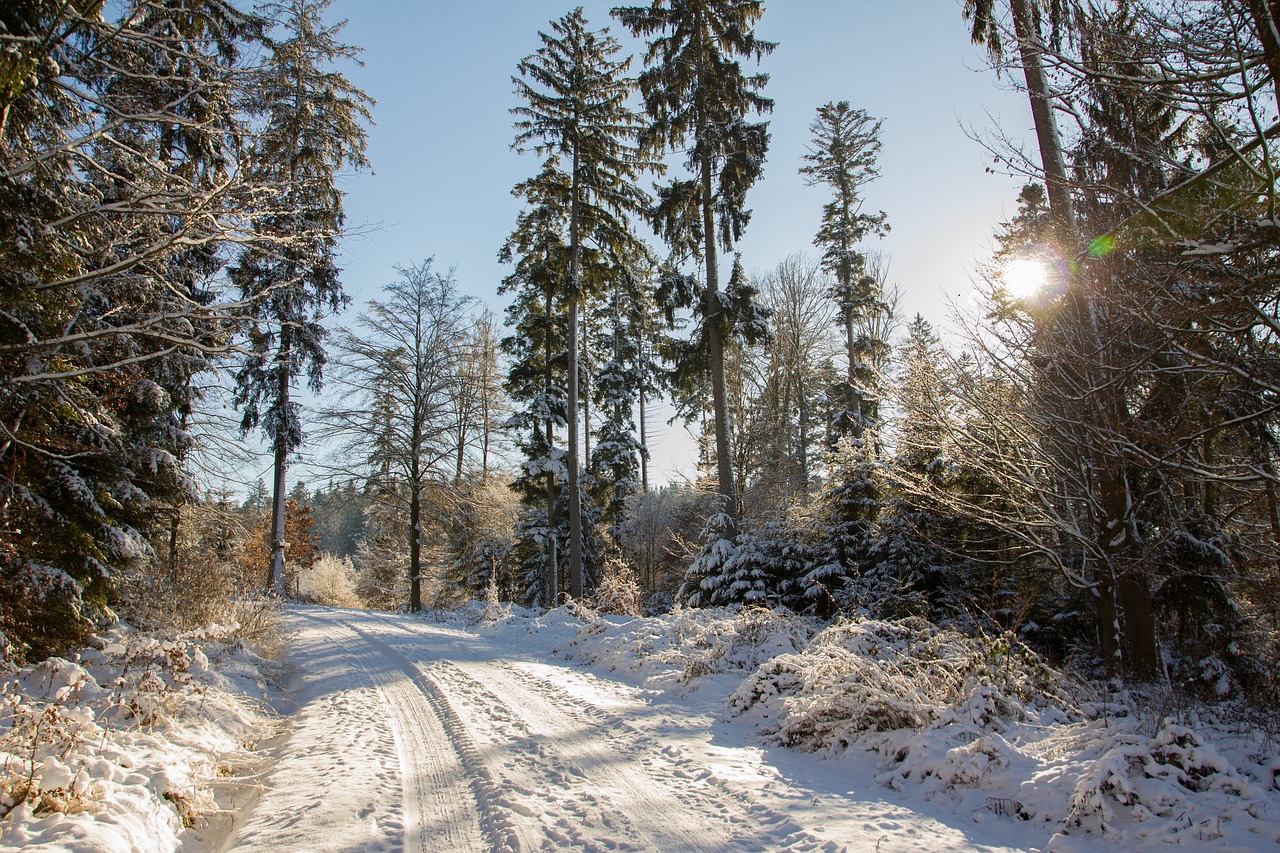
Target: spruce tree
[(697, 99), (120, 184), (535, 381), (314, 123), (842, 155), (575, 112)]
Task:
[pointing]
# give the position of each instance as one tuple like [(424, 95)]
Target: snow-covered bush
[(129, 738), (330, 581), (493, 609), (617, 592), (690, 643), (867, 676)]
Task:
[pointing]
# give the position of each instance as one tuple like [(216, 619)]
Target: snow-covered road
[(409, 735)]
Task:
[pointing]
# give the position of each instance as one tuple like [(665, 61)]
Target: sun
[(1024, 277)]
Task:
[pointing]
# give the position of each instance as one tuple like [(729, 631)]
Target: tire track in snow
[(440, 811), (495, 813), (599, 783), (670, 800), (667, 758)]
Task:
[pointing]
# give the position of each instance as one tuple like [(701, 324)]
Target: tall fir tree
[(314, 122), (120, 184), (842, 155), (697, 99), (535, 381), (575, 112)]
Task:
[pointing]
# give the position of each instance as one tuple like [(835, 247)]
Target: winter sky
[(443, 167)]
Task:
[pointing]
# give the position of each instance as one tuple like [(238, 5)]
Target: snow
[(133, 746), (496, 728)]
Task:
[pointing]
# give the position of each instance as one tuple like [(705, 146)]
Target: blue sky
[(443, 168)]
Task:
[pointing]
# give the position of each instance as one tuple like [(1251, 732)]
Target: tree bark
[(715, 353), (275, 571), (576, 579), (1139, 626), (855, 396), (1050, 142), (553, 570), (802, 403), (415, 541), (1266, 23), (644, 446)]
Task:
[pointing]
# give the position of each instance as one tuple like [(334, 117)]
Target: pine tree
[(535, 379), (697, 99), (314, 127), (619, 382), (120, 184), (575, 108), (843, 155)]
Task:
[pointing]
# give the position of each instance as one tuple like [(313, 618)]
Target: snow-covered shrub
[(867, 676), (617, 592), (1175, 776), (493, 609), (687, 644), (330, 581), (129, 738)]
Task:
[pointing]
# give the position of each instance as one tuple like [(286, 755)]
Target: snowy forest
[(1084, 465), (1091, 465)]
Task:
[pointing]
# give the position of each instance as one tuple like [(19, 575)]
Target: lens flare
[(1024, 277)]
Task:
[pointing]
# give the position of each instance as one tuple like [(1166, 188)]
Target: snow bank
[(680, 648), (869, 676), (123, 747), (979, 726)]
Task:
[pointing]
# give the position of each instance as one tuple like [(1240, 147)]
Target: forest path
[(418, 737)]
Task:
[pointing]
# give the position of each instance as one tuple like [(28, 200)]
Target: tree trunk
[(644, 446), (715, 351), (1139, 626), (855, 395), (553, 569), (585, 394), (415, 541), (459, 458), (576, 579), (174, 522), (803, 406), (1108, 619), (1266, 23), (275, 571), (1050, 143)]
